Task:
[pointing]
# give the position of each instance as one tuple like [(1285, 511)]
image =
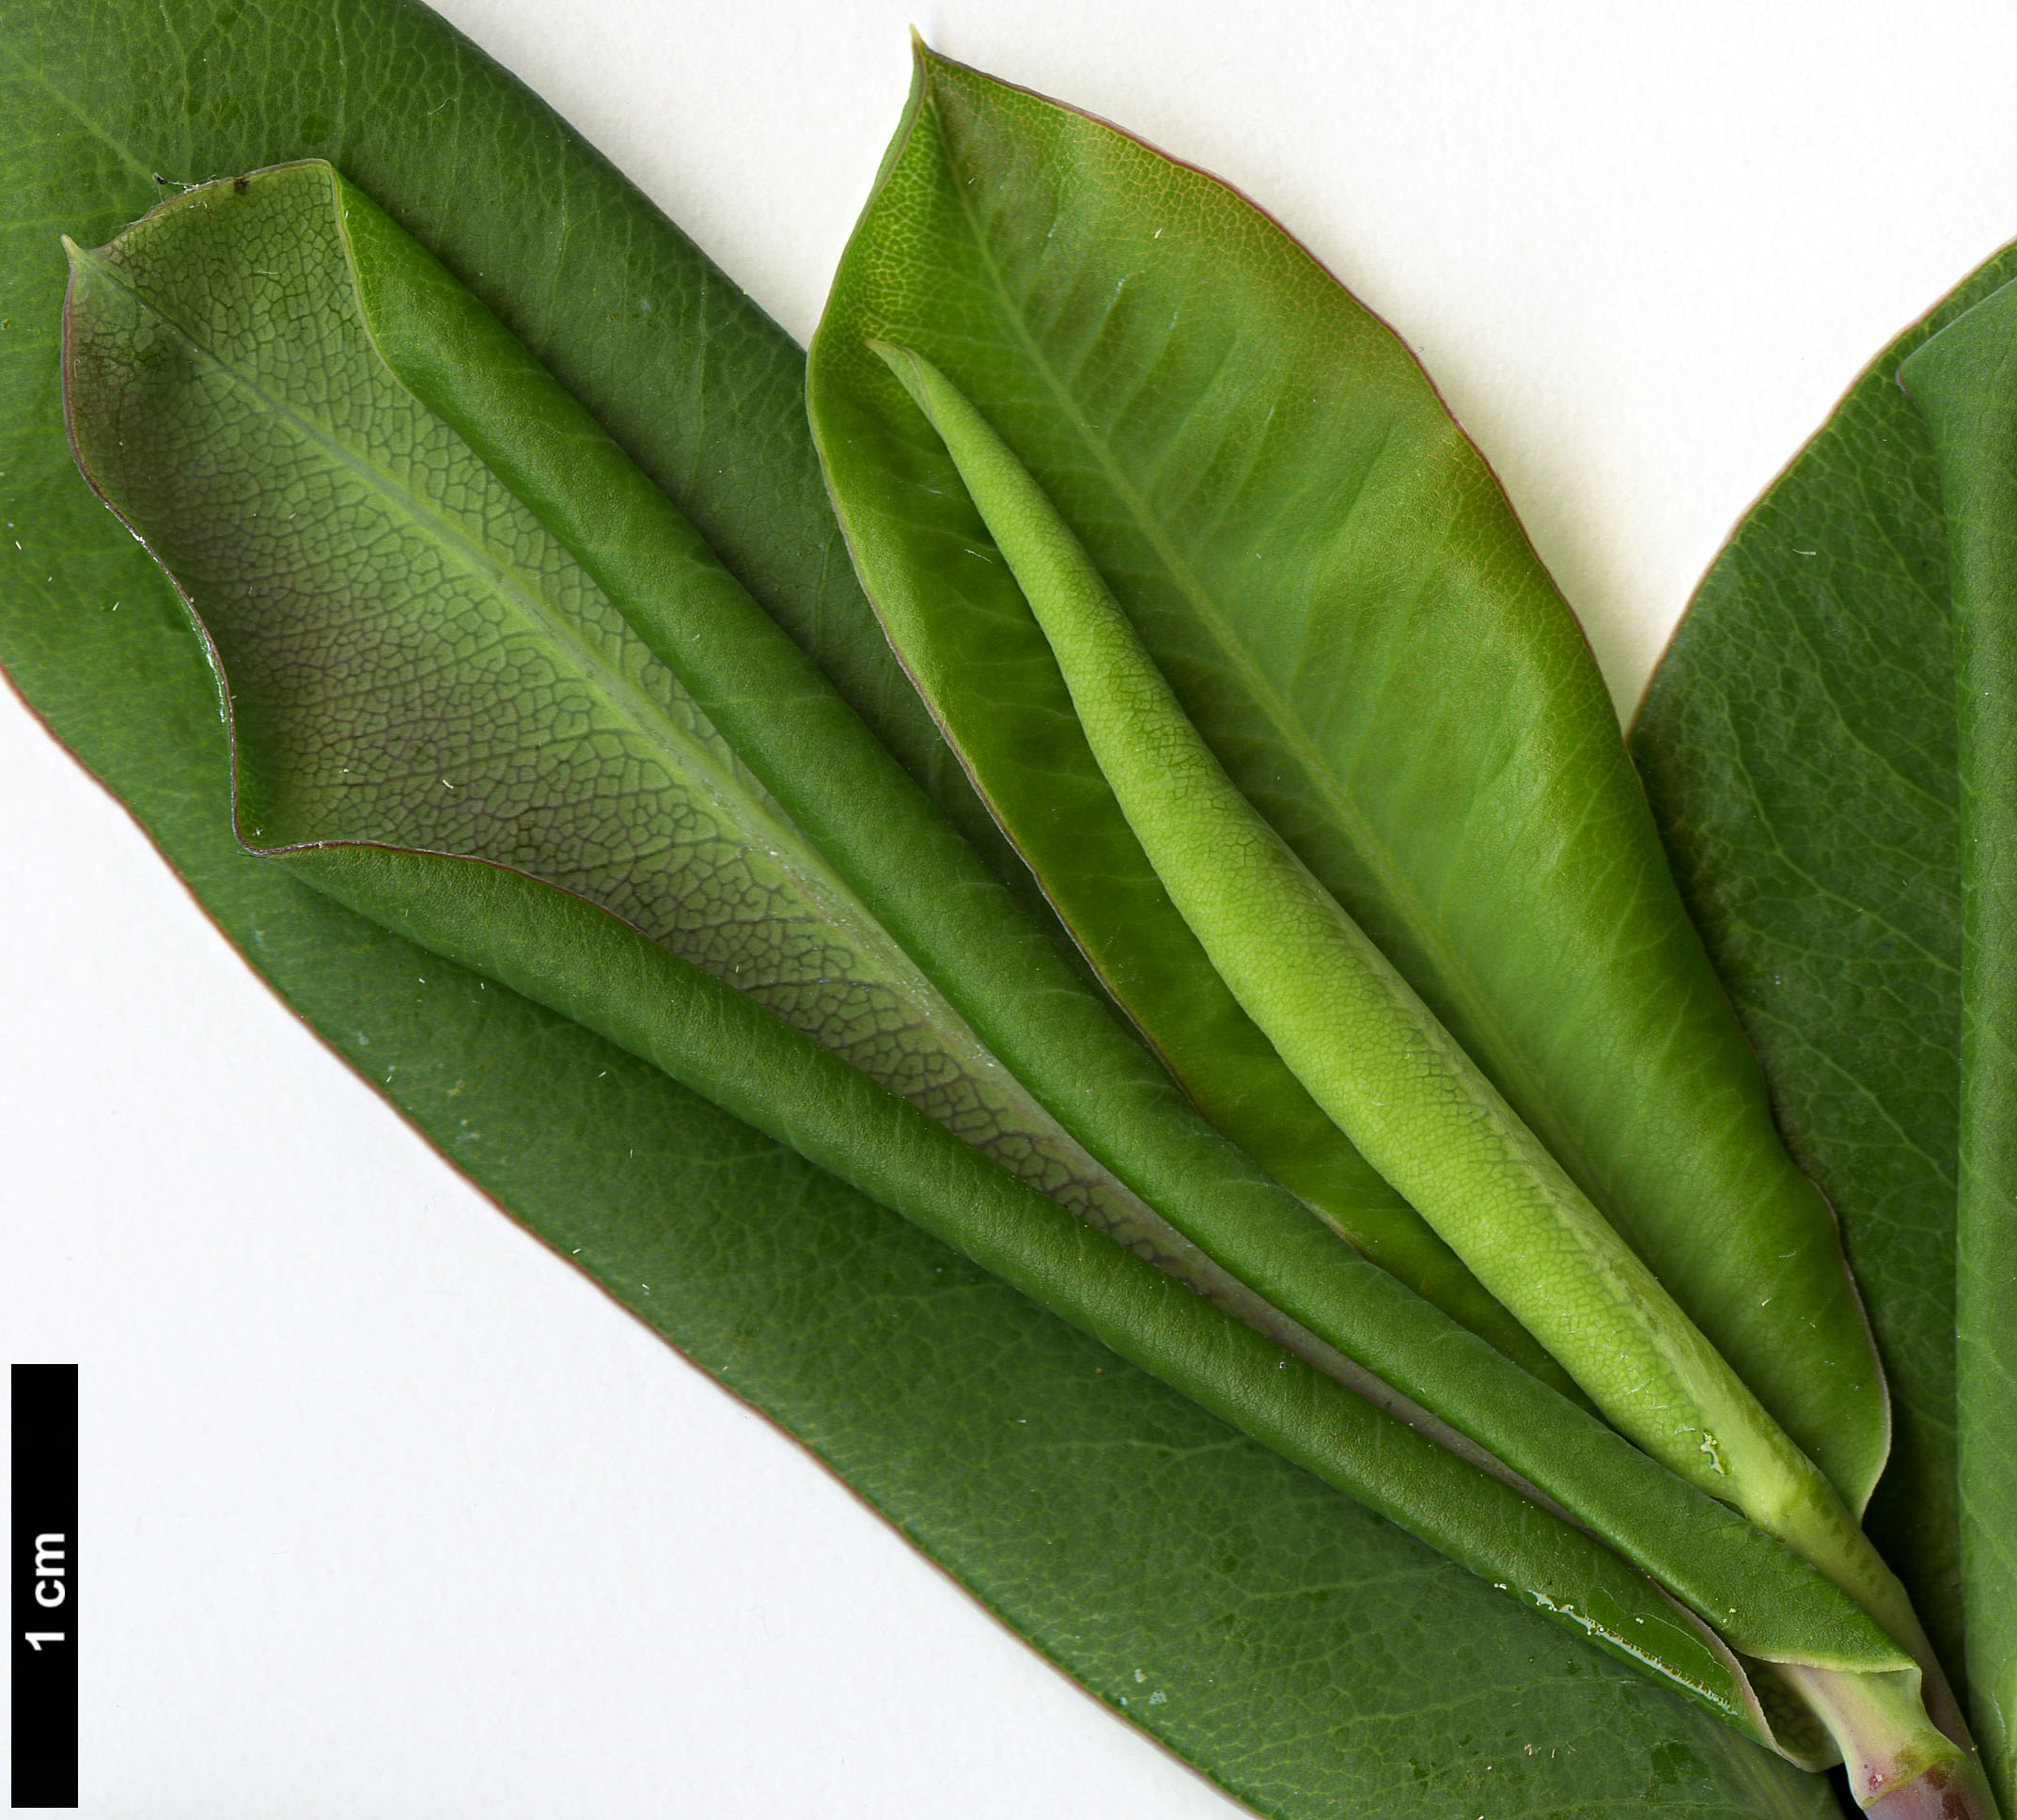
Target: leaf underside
[(1311, 1658), (414, 661)]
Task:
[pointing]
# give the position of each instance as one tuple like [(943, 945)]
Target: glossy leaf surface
[(412, 663), (1378, 1062), (413, 660), (1960, 381), (1798, 747), (1327, 574), (843, 788), (1311, 1658)]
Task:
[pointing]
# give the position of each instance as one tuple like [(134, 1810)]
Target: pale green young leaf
[(1338, 592)]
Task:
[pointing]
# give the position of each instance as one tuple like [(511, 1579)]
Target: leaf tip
[(925, 62), (908, 367), (84, 262)]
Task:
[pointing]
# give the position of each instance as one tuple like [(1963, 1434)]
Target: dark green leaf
[(1798, 747), (1961, 380), (1315, 1661)]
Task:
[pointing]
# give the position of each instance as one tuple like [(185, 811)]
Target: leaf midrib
[(822, 891)]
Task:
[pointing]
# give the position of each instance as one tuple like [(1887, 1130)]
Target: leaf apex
[(922, 54), (908, 367)]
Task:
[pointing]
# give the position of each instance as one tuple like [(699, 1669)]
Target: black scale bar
[(45, 1586)]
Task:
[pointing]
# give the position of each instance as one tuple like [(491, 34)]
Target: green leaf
[(1798, 747), (1377, 1061), (1341, 597), (1315, 1659), (411, 662), (1961, 382)]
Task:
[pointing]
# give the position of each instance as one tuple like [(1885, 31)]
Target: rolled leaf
[(1148, 1550), (1377, 1061), (1342, 601), (581, 961), (382, 612)]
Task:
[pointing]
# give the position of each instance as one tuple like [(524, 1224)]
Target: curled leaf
[(468, 656), (1339, 595)]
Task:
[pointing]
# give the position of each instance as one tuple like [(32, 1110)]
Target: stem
[(1827, 1535), (1900, 1766)]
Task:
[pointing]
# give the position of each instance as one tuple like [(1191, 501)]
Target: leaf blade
[(1018, 245), (1798, 747), (1274, 1654), (1959, 381)]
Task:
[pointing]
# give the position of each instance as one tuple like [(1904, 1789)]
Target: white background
[(385, 1510)]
